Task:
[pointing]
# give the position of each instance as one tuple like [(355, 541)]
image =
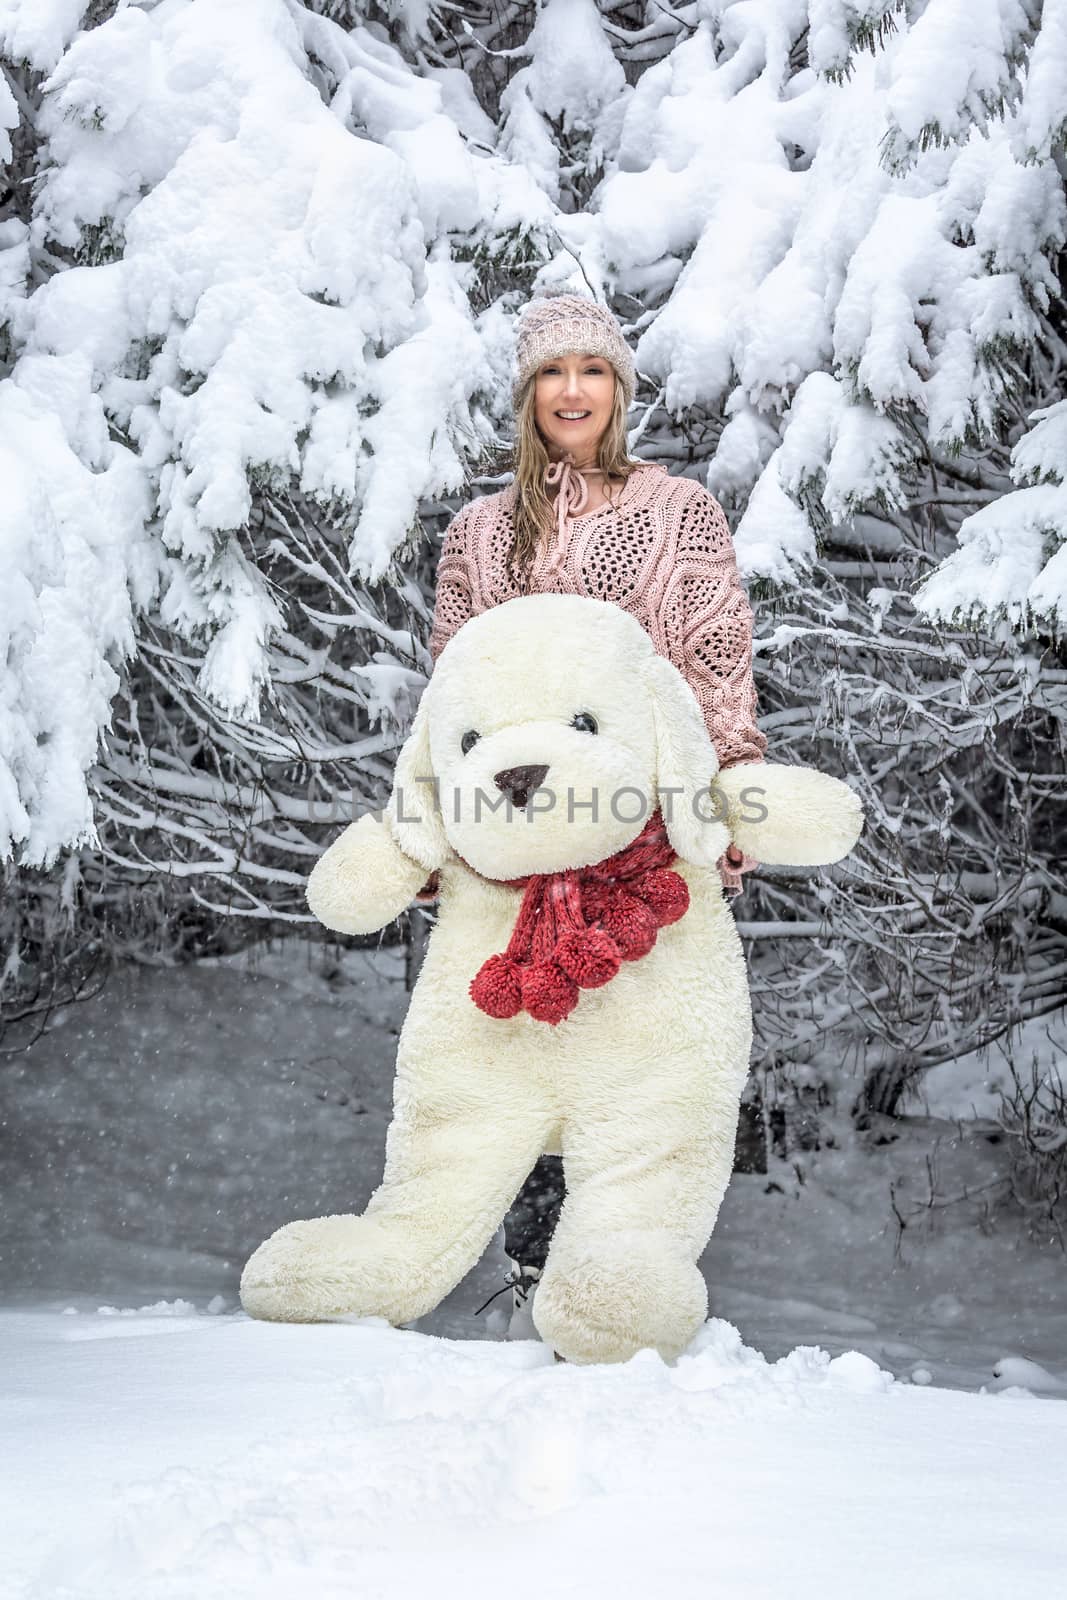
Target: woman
[(582, 517)]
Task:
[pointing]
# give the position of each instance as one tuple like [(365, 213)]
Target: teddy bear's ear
[(413, 812), (686, 764)]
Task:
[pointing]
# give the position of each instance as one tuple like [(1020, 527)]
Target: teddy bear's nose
[(519, 782)]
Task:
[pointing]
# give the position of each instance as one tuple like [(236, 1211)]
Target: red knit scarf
[(575, 928)]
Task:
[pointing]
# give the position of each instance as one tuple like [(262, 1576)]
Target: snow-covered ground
[(868, 1412), (180, 1455)]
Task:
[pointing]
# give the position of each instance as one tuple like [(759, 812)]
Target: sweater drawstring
[(573, 495)]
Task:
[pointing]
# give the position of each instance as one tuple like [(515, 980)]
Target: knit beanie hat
[(557, 324)]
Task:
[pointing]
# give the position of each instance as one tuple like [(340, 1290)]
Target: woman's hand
[(429, 891), (731, 864)]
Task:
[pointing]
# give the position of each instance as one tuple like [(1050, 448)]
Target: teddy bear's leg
[(646, 1171), (451, 1171)]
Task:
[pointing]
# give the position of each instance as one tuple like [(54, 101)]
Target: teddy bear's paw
[(632, 1292), (328, 1267), (790, 815)]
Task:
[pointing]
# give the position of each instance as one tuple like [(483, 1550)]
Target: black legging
[(531, 1222)]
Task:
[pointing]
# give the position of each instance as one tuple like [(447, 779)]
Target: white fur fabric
[(363, 881), (789, 816), (639, 1086)]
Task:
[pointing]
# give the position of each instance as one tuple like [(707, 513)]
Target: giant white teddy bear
[(583, 991)]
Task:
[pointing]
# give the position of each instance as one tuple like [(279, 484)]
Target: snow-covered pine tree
[(223, 284), (844, 222)]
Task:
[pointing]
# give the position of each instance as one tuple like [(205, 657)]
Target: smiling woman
[(573, 397), (583, 517)]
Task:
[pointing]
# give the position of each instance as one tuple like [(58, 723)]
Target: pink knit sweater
[(665, 555)]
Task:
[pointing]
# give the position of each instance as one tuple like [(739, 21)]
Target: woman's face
[(583, 384)]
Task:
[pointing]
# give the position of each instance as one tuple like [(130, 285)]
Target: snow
[(774, 538), (952, 67), (974, 1085), (864, 1413), (36, 33), (255, 251), (1009, 561), (897, 275), (264, 252), (9, 118), (572, 76), (77, 564), (1041, 114), (175, 1454)]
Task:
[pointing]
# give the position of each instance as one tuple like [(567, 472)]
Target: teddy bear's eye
[(469, 739), (584, 721)]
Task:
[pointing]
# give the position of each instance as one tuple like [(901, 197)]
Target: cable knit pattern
[(664, 554)]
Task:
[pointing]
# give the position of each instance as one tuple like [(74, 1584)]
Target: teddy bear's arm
[(364, 879), (789, 816)]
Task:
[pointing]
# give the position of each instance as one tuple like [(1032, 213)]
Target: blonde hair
[(533, 514)]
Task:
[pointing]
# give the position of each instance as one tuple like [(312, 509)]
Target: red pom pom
[(495, 987), (547, 992), (666, 893), (630, 923), (588, 955)]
